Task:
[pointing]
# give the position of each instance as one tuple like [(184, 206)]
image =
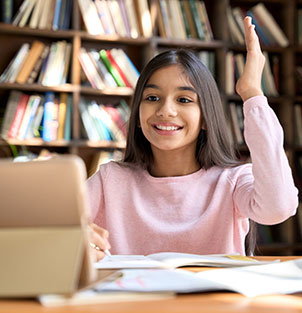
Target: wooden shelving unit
[(140, 50)]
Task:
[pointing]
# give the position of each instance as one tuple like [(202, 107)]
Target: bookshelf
[(287, 237)]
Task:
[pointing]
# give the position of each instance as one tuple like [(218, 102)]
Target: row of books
[(42, 14), (183, 19), (126, 18), (236, 119), (268, 30), (45, 64), (104, 122), (108, 68), (270, 78), (37, 116)]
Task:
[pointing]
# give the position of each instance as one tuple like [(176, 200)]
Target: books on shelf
[(267, 28), (268, 23), (100, 124), (48, 65), (237, 122), (125, 18), (235, 66), (44, 14), (29, 116), (183, 19), (108, 68)]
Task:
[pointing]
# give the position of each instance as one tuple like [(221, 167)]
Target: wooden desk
[(212, 302)]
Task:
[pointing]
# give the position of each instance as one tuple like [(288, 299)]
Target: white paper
[(278, 278), (173, 260)]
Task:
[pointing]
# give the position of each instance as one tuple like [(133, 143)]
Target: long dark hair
[(214, 147)]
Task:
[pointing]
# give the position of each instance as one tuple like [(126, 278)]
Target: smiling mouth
[(167, 127)]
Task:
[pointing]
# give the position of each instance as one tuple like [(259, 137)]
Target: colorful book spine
[(14, 128), (113, 71)]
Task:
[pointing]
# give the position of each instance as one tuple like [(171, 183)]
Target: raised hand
[(249, 84)]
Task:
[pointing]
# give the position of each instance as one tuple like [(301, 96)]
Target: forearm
[(273, 196)]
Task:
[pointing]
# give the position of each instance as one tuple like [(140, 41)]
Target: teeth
[(166, 127)]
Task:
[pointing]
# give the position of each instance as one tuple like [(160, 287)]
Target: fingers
[(251, 38), (98, 238)]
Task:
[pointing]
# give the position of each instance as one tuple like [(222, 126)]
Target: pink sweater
[(205, 212)]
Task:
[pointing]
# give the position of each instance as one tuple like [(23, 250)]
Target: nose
[(167, 108)]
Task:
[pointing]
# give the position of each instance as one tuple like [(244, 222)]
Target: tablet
[(43, 220)]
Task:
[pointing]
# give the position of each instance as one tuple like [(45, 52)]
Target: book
[(91, 18), (268, 79), (7, 9), (30, 111), (115, 65), (11, 107), (203, 16), (132, 18), (164, 28), (62, 114), (177, 23), (19, 113), (68, 119), (35, 129), (198, 25), (65, 14), (20, 12), (113, 71), (125, 17), (36, 14), (97, 118), (118, 21), (126, 65), (267, 19), (116, 117), (90, 70), (30, 61), (88, 122), (144, 17), (50, 118), (253, 280), (235, 33), (12, 70), (25, 16), (174, 260), (38, 65), (56, 18), (236, 124), (105, 17), (102, 69), (189, 16)]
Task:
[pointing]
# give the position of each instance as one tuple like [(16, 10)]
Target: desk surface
[(212, 302)]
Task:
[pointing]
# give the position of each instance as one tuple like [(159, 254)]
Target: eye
[(184, 100), (152, 98)]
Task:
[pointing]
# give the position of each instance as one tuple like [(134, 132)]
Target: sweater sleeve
[(265, 192)]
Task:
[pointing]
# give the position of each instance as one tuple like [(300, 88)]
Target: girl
[(179, 187)]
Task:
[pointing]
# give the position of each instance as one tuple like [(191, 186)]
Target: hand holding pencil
[(98, 240)]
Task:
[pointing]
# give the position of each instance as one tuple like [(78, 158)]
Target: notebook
[(43, 217)]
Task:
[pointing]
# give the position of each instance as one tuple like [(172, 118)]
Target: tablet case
[(43, 216)]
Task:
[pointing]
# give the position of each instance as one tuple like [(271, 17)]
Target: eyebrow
[(178, 88)]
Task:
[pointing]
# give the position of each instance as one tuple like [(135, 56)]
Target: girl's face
[(170, 114)]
